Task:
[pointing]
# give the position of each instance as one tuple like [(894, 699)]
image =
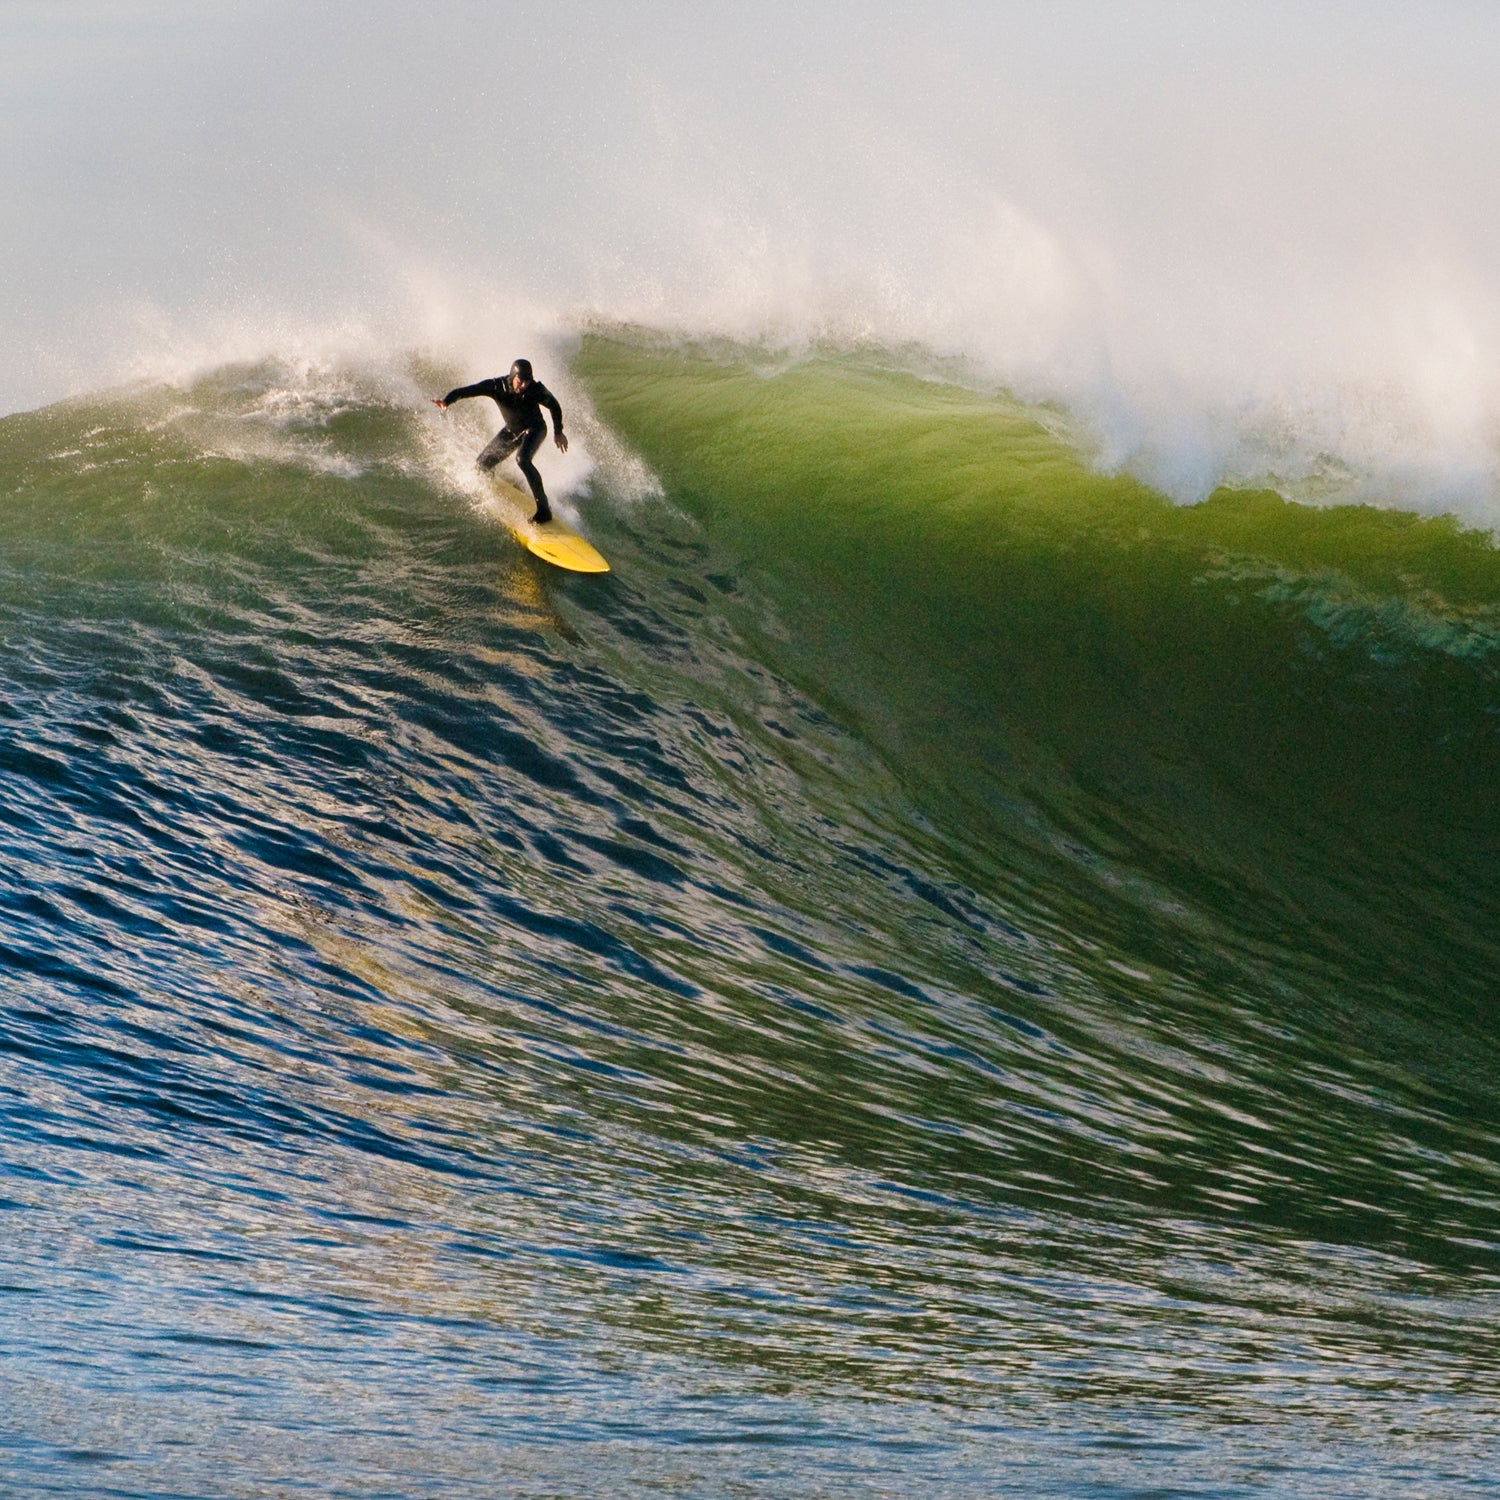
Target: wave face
[(943, 972)]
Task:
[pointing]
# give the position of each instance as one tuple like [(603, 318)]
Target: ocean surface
[(945, 973)]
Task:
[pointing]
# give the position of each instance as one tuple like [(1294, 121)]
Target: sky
[(1229, 235)]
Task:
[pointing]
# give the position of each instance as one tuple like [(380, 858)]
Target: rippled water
[(747, 1024)]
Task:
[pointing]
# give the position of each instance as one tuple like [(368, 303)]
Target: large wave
[(1041, 650), (938, 932)]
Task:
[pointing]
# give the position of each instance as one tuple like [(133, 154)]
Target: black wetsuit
[(523, 431)]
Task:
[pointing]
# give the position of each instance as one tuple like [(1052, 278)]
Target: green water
[(942, 971), (1245, 698)]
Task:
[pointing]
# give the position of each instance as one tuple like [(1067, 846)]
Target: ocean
[(964, 966), (944, 973)]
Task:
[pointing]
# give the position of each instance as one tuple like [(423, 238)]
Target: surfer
[(520, 397)]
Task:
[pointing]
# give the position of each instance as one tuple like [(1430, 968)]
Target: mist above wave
[(1250, 246)]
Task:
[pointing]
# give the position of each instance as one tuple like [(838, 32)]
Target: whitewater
[(965, 964)]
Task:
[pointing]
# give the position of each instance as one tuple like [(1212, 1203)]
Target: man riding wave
[(520, 397)]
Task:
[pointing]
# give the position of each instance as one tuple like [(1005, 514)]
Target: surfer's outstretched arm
[(463, 392)]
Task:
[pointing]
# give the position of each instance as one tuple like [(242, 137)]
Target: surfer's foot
[(542, 516)]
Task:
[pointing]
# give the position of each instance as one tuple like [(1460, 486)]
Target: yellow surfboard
[(556, 542), (553, 541)]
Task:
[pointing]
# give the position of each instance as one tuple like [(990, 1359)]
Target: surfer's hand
[(561, 440), (438, 402)]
